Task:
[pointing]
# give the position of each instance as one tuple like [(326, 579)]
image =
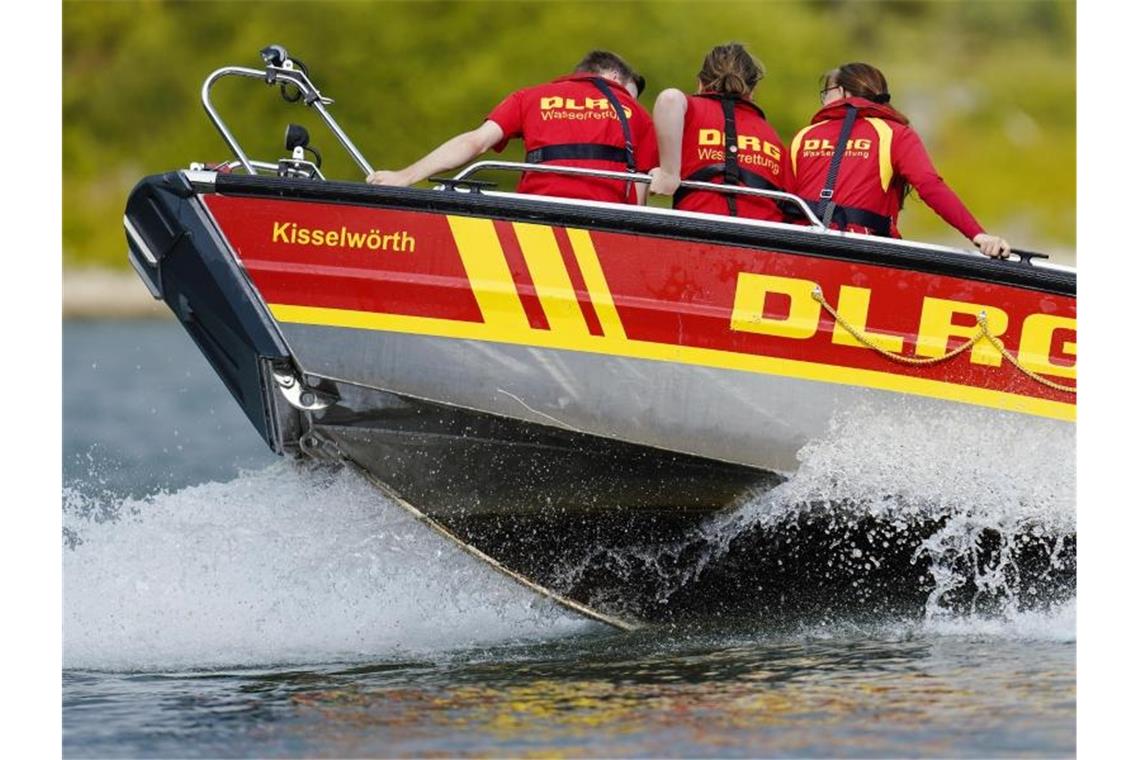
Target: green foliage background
[(989, 84)]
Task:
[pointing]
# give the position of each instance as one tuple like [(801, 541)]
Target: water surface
[(221, 602)]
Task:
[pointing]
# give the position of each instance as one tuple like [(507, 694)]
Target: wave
[(288, 564), (916, 511), (944, 524)]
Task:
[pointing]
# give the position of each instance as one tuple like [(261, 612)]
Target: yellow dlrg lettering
[(863, 143), (1037, 334), (553, 101), (937, 327), (710, 137), (854, 303), (802, 319), (816, 143)]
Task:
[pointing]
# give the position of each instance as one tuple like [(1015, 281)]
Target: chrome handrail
[(642, 179), (265, 165), (276, 75), (230, 165)]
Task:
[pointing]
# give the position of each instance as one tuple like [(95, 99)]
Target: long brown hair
[(730, 70), (863, 81)]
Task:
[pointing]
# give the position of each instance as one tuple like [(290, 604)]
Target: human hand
[(391, 179), (663, 182), (992, 245)]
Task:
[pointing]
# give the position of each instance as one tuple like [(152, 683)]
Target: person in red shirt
[(590, 118), (694, 130), (884, 158)]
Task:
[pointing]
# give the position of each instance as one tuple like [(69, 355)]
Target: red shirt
[(569, 110), (759, 151), (882, 154)]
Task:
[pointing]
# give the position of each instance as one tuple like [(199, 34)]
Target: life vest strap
[(845, 216), (578, 151), (714, 171), (619, 111), (731, 165), (827, 195)]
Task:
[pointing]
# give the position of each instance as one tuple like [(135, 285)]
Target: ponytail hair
[(862, 80), (730, 70)]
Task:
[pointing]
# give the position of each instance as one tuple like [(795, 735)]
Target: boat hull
[(538, 374), (732, 340)]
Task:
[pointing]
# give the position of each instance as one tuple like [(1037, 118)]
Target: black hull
[(631, 531)]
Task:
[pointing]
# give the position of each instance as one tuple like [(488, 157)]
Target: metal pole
[(217, 119)]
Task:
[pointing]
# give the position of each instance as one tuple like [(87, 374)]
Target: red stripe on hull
[(524, 283), (593, 324)]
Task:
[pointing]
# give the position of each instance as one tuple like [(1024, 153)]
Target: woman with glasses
[(862, 188), (719, 136)]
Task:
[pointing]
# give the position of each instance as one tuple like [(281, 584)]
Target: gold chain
[(983, 332)]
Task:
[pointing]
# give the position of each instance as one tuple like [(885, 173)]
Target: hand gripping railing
[(278, 74), (641, 179)]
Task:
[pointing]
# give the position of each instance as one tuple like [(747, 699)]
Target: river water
[(220, 602)]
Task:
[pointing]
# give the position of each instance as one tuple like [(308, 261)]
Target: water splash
[(966, 516), (1057, 623), (921, 508), (990, 483), (283, 565)]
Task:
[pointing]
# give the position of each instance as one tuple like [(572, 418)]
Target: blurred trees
[(991, 86)]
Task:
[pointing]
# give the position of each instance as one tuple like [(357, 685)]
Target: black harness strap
[(589, 151), (877, 223), (620, 111), (745, 177), (828, 193), (712, 171), (731, 165)]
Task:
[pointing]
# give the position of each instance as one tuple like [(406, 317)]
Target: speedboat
[(532, 374)]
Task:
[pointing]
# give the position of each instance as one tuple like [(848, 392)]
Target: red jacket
[(572, 110), (882, 154), (761, 158)]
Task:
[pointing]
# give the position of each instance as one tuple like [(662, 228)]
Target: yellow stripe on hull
[(518, 332), (551, 281), (487, 271)]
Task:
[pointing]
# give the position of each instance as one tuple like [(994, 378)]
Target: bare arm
[(669, 119), (455, 152)]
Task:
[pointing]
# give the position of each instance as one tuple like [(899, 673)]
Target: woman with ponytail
[(693, 132), (862, 188)]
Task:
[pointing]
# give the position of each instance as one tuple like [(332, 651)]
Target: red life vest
[(572, 122), (882, 155), (755, 157)]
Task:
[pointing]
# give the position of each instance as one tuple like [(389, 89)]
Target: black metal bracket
[(1028, 256)]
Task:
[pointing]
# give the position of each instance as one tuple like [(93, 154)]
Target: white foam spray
[(283, 565), (978, 471)]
